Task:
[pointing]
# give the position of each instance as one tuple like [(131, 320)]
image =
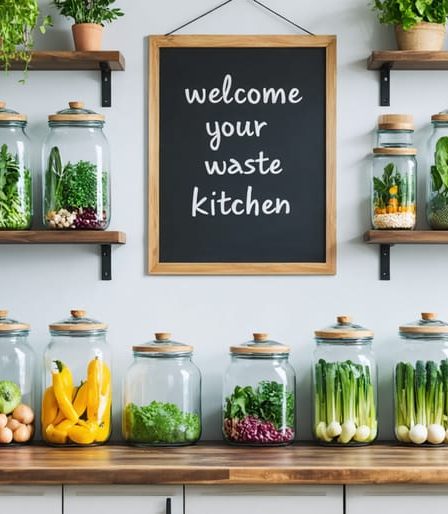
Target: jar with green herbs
[(259, 394), (162, 395), (394, 188), (437, 176), (344, 385), (421, 382), (15, 173), (76, 171)]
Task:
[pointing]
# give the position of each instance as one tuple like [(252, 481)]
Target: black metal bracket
[(385, 85), (168, 506), (385, 262), (106, 85), (106, 262)]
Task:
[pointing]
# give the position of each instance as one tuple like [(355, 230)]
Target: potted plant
[(89, 17), (18, 18), (419, 24)]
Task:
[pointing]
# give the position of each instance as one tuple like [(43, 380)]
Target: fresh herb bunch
[(421, 402), (393, 190), (160, 422), (18, 18), (269, 401), (89, 11), (344, 404), (409, 13), (15, 192)]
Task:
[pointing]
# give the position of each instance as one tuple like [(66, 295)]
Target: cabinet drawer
[(37, 499)]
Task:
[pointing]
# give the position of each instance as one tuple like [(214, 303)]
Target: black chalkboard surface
[(242, 154)]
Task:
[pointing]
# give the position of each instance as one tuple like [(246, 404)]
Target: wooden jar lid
[(83, 114), (394, 151), (10, 115), (10, 325), (78, 323), (396, 122), (428, 324), (163, 344), (344, 330), (440, 117), (260, 345)]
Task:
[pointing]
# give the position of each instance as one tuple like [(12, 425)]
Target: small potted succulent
[(419, 24), (18, 19), (90, 17)]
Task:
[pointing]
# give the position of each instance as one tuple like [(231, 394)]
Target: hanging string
[(222, 4)]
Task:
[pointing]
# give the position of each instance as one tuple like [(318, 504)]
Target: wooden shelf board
[(408, 60), (73, 61), (406, 237), (62, 237)]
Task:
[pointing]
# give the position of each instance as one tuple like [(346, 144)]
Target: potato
[(13, 424), (23, 413), (22, 434), (3, 420), (5, 435)]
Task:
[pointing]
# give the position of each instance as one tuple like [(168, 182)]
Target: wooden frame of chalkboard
[(242, 155)]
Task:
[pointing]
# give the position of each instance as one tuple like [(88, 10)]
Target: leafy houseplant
[(419, 24), (18, 18), (89, 17), (437, 207)]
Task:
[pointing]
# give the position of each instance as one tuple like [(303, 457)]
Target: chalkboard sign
[(242, 154)]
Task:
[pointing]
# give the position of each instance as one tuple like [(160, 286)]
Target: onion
[(436, 433), (402, 433), (362, 433), (334, 429), (418, 434), (348, 430)]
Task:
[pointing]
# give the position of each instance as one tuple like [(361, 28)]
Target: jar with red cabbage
[(259, 394)]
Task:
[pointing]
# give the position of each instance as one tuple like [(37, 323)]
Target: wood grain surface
[(217, 463), (62, 237), (408, 60), (406, 237)]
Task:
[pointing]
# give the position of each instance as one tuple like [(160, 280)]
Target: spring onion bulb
[(418, 434)]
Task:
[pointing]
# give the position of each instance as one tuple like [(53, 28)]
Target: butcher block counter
[(217, 463)]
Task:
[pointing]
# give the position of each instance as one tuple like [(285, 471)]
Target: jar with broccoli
[(345, 385), (76, 171)]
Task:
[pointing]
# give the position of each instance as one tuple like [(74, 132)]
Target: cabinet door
[(396, 499), (270, 499), (123, 499), (37, 499)]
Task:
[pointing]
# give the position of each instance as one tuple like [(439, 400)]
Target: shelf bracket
[(385, 85), (385, 262), (106, 262), (106, 85)]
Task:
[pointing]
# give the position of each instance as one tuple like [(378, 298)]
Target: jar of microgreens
[(344, 385), (259, 394), (162, 395), (76, 171), (393, 188), (421, 382), (17, 382), (437, 174), (15, 174), (395, 130)]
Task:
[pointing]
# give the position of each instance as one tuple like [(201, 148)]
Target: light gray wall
[(39, 284)]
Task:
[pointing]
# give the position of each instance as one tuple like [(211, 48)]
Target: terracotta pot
[(87, 36), (423, 36)]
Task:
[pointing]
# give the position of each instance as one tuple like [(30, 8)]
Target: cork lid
[(11, 326), (344, 330), (428, 325), (260, 346), (396, 122), (78, 322), (394, 151), (441, 116), (76, 114), (10, 117), (163, 345)]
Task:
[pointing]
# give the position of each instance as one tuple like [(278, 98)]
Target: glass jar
[(162, 395), (17, 382), (76, 171), (394, 188), (437, 176), (259, 394), (77, 396), (16, 209), (421, 382), (344, 385), (395, 130)]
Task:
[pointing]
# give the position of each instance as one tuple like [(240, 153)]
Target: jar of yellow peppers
[(77, 396), (393, 188)]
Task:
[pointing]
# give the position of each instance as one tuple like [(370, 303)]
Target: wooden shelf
[(104, 61), (103, 238), (387, 60), (218, 463), (387, 238)]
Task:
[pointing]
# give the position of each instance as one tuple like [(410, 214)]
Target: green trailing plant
[(409, 13), (15, 192), (89, 11), (18, 18)]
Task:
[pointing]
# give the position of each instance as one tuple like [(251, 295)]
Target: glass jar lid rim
[(78, 322), (344, 330), (427, 324), (11, 115), (11, 325), (163, 343), (260, 345)]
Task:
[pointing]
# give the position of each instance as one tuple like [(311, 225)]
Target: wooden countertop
[(217, 463)]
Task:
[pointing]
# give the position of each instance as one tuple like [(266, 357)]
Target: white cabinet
[(36, 499), (269, 499), (123, 499), (396, 499)]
